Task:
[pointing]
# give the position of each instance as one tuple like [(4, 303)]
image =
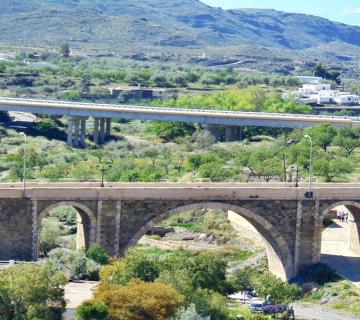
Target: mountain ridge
[(177, 28)]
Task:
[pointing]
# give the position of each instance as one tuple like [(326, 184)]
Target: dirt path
[(75, 294), (307, 311), (335, 252)]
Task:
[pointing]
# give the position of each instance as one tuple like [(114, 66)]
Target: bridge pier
[(214, 130), (102, 129), (232, 133), (76, 132), (108, 128)]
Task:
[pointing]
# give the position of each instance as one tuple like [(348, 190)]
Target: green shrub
[(278, 290), (98, 254), (76, 262), (46, 125), (92, 310)]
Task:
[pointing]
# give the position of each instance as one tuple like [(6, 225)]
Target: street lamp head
[(22, 134), (307, 136)]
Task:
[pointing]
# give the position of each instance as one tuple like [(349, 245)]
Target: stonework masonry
[(118, 215)]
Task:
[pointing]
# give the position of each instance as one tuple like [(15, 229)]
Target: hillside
[(162, 23), (128, 27)]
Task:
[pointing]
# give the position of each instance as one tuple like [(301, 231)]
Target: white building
[(321, 93), (313, 88), (345, 98)]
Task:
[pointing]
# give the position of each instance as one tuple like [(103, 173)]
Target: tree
[(92, 310), (169, 131), (32, 291), (187, 314), (139, 300), (50, 236), (320, 71), (98, 254), (165, 154), (216, 172), (323, 135), (65, 50), (76, 261), (210, 303), (152, 153), (178, 161), (348, 139), (330, 168), (265, 162), (134, 265), (278, 290), (194, 162)]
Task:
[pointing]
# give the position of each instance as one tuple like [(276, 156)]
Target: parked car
[(258, 305)]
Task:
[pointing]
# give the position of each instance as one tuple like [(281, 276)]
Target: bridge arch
[(280, 259), (88, 221), (353, 209)]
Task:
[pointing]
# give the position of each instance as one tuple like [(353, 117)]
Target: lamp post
[(24, 164), (310, 193)]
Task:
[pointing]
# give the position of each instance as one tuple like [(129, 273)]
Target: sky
[(346, 11)]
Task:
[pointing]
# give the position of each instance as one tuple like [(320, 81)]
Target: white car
[(258, 305)]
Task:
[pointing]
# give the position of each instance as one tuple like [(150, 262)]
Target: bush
[(139, 300), (31, 291), (187, 314), (92, 310), (134, 265), (50, 236), (279, 291), (46, 125), (76, 262), (98, 254), (210, 303)]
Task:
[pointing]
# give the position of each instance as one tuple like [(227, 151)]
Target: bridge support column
[(108, 127), (214, 130), (96, 130), (76, 141), (102, 130), (70, 132), (308, 235), (232, 133), (83, 132)]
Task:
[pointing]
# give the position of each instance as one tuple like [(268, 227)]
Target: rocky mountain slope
[(162, 23)]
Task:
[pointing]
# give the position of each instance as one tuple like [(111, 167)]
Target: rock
[(210, 238), (324, 300), (188, 237), (160, 231), (202, 236)]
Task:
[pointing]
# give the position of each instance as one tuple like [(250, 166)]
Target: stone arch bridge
[(117, 215)]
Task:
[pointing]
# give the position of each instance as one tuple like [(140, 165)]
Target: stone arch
[(280, 259), (87, 216), (354, 222)]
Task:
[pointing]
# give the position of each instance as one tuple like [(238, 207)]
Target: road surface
[(217, 117)]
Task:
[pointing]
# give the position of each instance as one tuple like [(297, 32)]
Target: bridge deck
[(220, 117), (158, 191)]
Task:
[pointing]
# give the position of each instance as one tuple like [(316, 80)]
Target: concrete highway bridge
[(118, 215), (213, 120)]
